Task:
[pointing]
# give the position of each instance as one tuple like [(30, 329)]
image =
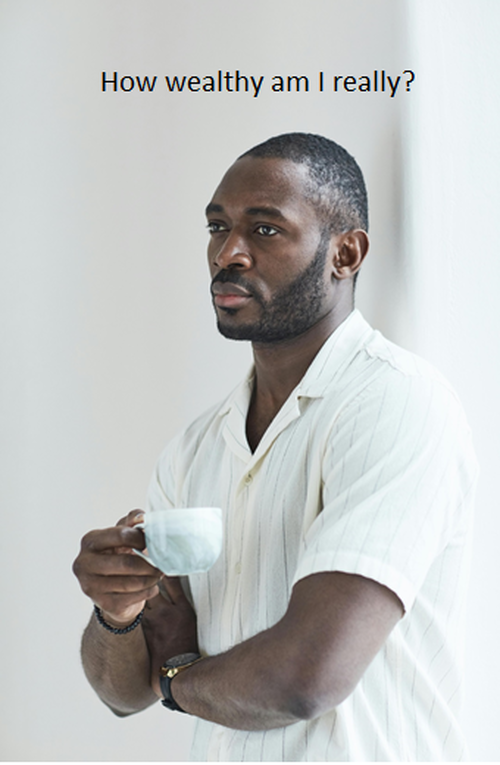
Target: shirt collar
[(333, 356)]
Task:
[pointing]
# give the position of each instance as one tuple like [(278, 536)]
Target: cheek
[(279, 269), (210, 259)]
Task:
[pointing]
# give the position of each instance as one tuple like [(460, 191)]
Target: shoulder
[(396, 362), (392, 404), (385, 378)]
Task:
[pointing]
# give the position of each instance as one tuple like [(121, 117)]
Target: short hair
[(337, 186)]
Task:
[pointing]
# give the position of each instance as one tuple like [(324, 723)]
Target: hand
[(118, 581), (169, 626)]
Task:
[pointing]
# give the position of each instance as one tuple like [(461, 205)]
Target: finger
[(173, 588), (118, 564), (112, 585), (99, 573), (116, 536), (132, 518), (96, 586), (118, 603)]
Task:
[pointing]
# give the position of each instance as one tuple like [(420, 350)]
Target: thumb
[(132, 518)]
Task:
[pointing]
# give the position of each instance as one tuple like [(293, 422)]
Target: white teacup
[(182, 541)]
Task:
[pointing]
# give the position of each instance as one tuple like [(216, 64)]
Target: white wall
[(108, 330), (453, 152)]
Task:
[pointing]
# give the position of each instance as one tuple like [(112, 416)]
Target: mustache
[(234, 277)]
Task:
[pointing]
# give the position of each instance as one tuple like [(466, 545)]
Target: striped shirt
[(366, 469)]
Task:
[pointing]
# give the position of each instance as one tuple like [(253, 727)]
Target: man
[(330, 627)]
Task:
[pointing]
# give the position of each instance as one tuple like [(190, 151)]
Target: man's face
[(268, 253)]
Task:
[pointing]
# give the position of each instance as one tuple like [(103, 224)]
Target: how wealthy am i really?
[(377, 81)]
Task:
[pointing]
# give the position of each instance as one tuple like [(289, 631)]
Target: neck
[(279, 367)]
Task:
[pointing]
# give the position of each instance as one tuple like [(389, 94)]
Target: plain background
[(108, 340)]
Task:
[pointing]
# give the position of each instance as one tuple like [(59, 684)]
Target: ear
[(349, 251)]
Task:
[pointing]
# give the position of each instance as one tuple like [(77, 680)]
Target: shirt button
[(237, 568), (248, 479)]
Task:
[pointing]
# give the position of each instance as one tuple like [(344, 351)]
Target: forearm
[(249, 687), (302, 667), (118, 668)]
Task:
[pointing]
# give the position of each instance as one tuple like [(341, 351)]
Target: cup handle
[(142, 555)]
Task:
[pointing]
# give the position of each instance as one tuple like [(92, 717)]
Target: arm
[(120, 583), (117, 667), (304, 666)]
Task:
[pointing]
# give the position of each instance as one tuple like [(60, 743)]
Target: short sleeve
[(398, 472), (162, 486)]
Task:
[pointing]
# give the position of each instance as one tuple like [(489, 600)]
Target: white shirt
[(367, 469)]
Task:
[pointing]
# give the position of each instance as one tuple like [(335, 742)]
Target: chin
[(260, 333), (232, 332)]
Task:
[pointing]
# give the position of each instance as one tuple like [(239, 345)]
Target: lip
[(231, 301), (227, 295), (228, 289)]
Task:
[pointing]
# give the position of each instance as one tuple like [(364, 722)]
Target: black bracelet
[(115, 630)]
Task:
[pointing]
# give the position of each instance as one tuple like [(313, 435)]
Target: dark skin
[(263, 227), (270, 249), (121, 584)]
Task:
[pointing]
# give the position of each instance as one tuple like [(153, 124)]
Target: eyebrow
[(272, 212)]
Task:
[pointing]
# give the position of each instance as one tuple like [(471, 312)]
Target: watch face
[(180, 660)]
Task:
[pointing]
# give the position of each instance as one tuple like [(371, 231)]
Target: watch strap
[(168, 700), (168, 671)]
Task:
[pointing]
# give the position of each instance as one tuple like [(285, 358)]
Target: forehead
[(256, 182)]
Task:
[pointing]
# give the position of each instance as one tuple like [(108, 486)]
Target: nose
[(233, 252)]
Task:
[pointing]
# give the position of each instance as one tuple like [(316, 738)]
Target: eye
[(214, 227), (265, 230)]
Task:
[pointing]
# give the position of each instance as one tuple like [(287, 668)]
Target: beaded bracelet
[(115, 630)]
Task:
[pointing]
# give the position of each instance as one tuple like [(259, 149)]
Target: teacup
[(182, 541)]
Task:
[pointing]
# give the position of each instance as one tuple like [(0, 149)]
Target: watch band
[(168, 671)]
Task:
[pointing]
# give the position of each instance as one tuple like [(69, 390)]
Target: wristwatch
[(169, 670)]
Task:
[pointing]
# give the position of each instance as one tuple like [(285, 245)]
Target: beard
[(291, 311)]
